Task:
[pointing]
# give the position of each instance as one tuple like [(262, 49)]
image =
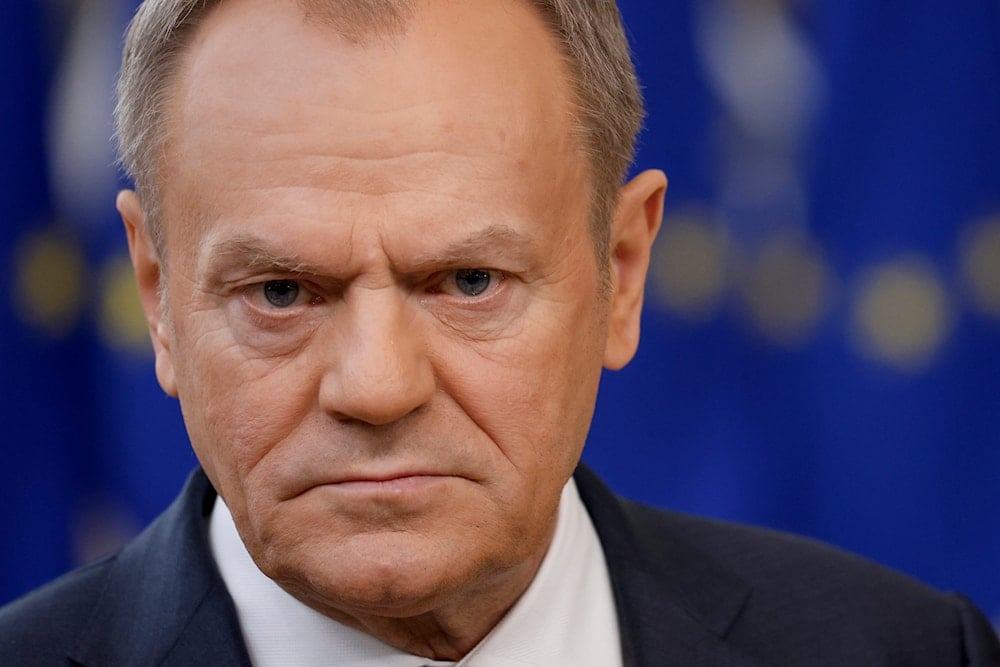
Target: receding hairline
[(360, 20), (605, 102), (171, 126)]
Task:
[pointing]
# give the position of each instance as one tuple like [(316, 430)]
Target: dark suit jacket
[(689, 592)]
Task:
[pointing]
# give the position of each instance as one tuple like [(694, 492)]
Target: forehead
[(465, 81)]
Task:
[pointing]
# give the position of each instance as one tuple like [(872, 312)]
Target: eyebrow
[(494, 240), (253, 252)]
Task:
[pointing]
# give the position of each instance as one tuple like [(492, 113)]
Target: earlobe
[(633, 229), (146, 265)]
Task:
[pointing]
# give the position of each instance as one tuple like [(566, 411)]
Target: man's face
[(384, 316)]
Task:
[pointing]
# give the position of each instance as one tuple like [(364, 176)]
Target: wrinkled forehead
[(467, 45), (462, 79)]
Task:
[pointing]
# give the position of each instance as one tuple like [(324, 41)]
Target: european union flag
[(42, 284), (94, 450), (822, 336)]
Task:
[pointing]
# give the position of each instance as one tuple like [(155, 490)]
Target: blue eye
[(281, 293), (472, 282)]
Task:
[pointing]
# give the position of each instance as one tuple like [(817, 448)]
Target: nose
[(380, 371)]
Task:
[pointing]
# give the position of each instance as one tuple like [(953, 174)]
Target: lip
[(392, 484)]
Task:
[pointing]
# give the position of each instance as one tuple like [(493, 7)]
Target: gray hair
[(609, 107)]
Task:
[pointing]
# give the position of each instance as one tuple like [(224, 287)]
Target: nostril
[(376, 391)]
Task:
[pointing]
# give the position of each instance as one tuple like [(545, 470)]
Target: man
[(384, 255)]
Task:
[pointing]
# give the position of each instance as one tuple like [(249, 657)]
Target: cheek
[(533, 394), (238, 409)]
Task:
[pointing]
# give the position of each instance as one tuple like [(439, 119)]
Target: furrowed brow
[(252, 253), (495, 240)]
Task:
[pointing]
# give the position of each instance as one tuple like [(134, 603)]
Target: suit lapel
[(164, 602), (676, 605)]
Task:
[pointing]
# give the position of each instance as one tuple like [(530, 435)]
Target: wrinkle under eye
[(281, 293), (472, 282)]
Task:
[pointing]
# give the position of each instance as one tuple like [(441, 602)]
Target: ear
[(146, 264), (633, 229)]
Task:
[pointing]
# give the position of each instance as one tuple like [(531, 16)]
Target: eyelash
[(498, 278), (268, 316)]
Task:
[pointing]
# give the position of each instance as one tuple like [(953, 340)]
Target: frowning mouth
[(394, 485)]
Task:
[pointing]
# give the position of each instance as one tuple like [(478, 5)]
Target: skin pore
[(384, 320)]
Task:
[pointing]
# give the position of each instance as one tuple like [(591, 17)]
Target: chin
[(393, 575)]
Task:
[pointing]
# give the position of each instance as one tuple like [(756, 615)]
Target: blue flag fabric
[(862, 412), (39, 368), (94, 448), (820, 344)]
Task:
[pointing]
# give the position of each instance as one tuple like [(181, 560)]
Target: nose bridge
[(380, 371)]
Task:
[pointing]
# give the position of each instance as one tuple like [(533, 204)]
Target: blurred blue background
[(821, 340)]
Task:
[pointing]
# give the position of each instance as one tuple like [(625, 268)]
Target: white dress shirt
[(565, 617)]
